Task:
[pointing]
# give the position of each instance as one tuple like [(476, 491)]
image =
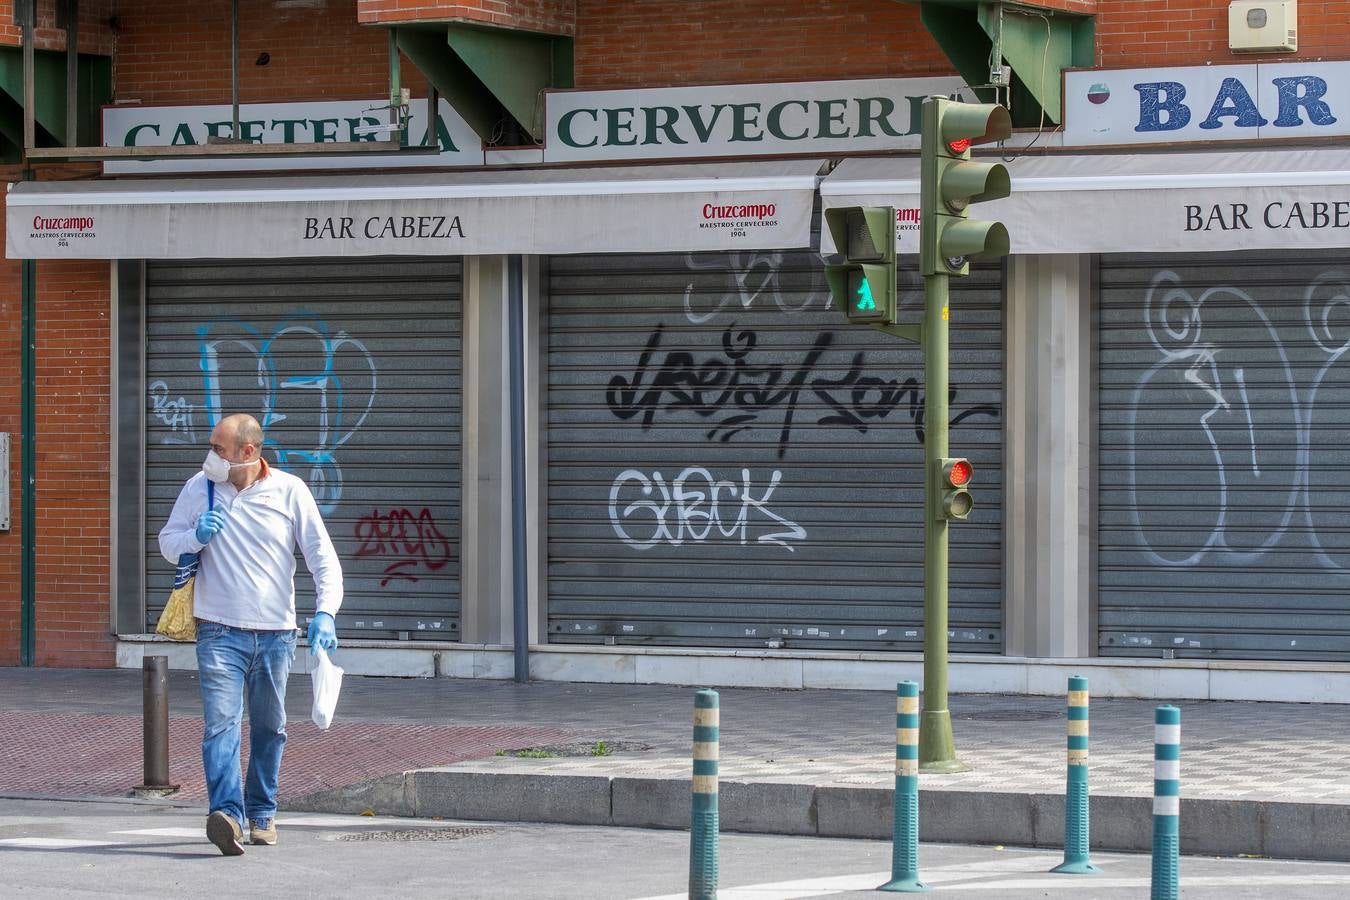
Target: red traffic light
[(958, 473), (959, 146)]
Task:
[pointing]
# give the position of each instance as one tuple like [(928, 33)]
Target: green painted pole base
[(1076, 868), (937, 744), (905, 886)]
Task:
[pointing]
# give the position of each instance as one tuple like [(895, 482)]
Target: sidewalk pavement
[(1266, 779)]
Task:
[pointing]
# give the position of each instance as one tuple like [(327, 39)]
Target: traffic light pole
[(937, 745)]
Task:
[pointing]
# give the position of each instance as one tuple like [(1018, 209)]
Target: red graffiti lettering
[(412, 540)]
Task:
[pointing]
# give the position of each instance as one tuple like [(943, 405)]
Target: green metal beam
[(1038, 47), (453, 79), (95, 92), (516, 66), (957, 31), (491, 76), (1036, 44)]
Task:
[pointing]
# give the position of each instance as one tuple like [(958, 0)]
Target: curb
[(1209, 827)]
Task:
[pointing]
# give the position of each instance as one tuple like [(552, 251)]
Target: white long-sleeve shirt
[(247, 574)]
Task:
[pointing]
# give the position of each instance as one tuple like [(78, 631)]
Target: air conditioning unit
[(1262, 26)]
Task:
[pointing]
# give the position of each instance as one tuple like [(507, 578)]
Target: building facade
[(721, 478)]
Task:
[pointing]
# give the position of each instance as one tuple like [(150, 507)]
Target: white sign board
[(321, 122), (824, 117), (1207, 103), (744, 206)]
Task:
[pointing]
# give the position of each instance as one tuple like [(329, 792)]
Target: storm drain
[(453, 833)]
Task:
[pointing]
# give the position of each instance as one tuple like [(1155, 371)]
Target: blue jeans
[(228, 661)]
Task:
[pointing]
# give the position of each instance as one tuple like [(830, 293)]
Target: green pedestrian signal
[(949, 181), (863, 300), (863, 286)]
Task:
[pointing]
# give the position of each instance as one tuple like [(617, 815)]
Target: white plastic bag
[(327, 685)]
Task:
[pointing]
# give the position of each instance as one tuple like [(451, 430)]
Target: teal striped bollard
[(905, 838), (1077, 830), (703, 834), (1166, 802)]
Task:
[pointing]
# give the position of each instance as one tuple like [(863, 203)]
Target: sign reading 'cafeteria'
[(318, 122), (822, 117)]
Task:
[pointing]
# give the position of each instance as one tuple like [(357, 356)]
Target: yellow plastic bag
[(177, 622)]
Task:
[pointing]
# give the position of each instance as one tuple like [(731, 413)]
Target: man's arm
[(320, 557), (178, 536)]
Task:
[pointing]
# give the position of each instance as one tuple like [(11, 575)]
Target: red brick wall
[(551, 16), (73, 388), (623, 43), (10, 303), (180, 53), (1136, 33), (94, 34), (72, 524)]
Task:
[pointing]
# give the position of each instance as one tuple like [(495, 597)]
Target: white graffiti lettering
[(692, 506), (176, 414)]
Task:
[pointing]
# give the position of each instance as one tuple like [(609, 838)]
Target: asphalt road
[(117, 849)]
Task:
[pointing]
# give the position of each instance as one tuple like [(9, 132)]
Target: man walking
[(245, 607)]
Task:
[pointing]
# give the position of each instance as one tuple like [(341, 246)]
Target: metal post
[(155, 724), (704, 831), (1077, 830), (1166, 802), (234, 69), (905, 837), (937, 746), (396, 87), (29, 8), (72, 72), (28, 456), (520, 599)]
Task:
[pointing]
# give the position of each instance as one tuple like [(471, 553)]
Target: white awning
[(1163, 202), (722, 206)]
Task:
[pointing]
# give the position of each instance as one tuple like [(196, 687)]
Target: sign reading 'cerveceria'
[(828, 117)]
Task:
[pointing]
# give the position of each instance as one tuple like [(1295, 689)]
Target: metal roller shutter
[(354, 369), (732, 465), (1224, 489)]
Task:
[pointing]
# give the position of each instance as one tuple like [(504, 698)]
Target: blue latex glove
[(209, 525), (322, 633)]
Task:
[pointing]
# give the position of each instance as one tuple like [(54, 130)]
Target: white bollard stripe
[(1167, 734), (1078, 728), (705, 784), (902, 767), (907, 706), (907, 736), (1078, 698), (1167, 806), (706, 716), (1078, 757), (1167, 769), (705, 750)]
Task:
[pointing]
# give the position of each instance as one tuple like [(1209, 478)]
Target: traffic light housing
[(863, 287), (954, 476), (950, 181)]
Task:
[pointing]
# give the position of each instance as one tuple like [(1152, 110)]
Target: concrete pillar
[(1049, 493), (485, 543)]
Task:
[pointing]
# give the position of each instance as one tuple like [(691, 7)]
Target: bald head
[(244, 428), (238, 438)]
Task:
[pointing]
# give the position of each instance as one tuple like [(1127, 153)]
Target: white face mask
[(217, 468)]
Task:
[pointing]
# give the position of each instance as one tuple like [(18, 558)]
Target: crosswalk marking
[(42, 843), (984, 876), (166, 832)]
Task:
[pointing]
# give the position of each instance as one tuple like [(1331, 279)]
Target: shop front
[(340, 311), (1200, 419)]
